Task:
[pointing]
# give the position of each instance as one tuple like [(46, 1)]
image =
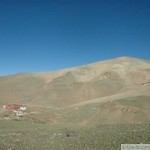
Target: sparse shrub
[(70, 133)]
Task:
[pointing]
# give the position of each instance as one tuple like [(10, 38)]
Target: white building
[(22, 108)]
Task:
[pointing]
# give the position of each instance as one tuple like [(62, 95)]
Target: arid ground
[(92, 107)]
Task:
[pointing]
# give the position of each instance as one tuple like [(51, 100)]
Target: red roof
[(13, 106)]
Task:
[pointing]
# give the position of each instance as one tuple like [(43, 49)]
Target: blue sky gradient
[(47, 35)]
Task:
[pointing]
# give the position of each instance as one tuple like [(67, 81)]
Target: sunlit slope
[(127, 110), (19, 87), (131, 110), (76, 85)]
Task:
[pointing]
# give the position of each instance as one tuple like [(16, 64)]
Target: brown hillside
[(66, 87)]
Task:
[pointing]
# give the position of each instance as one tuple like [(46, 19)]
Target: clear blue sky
[(47, 35)]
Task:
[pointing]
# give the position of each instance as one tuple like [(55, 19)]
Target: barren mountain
[(123, 77)]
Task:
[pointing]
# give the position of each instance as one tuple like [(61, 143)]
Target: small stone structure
[(19, 113), (16, 111)]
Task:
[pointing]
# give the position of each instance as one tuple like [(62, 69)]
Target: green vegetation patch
[(26, 135)]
